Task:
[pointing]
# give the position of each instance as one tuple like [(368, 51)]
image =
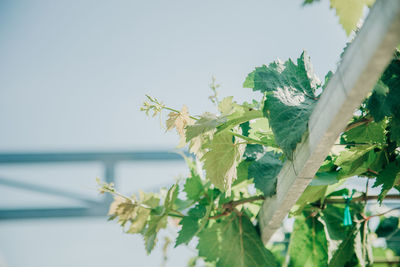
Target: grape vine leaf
[(237, 119), (311, 194), (343, 254), (190, 225), (356, 160), (193, 187), (332, 218), (306, 251), (290, 98), (376, 103), (179, 121), (156, 223), (159, 221), (349, 12), (207, 122), (265, 171), (388, 178), (221, 160), (387, 227), (210, 242), (367, 133), (395, 130), (234, 242), (324, 178)]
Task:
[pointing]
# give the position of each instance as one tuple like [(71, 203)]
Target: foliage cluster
[(238, 154)]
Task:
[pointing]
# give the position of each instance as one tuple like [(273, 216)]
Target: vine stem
[(358, 123), (383, 213), (231, 206), (251, 140), (339, 200), (177, 111)]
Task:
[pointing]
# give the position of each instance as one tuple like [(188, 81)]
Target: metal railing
[(89, 207)]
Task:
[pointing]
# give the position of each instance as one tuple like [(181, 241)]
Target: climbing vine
[(235, 155)]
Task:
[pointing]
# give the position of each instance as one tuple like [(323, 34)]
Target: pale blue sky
[(73, 75)]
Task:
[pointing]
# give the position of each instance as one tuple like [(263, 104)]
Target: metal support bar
[(99, 211), (17, 158), (46, 190), (361, 66)]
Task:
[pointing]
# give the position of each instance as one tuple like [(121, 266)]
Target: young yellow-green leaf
[(227, 106), (221, 160), (308, 244), (140, 221), (236, 119), (156, 223), (179, 121), (207, 122), (349, 12)]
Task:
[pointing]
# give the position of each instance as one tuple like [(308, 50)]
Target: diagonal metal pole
[(362, 64)]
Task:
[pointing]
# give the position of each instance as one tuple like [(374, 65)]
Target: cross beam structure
[(89, 207), (362, 64)]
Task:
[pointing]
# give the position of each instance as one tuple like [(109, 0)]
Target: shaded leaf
[(234, 242), (308, 244), (368, 133), (265, 171), (388, 178)]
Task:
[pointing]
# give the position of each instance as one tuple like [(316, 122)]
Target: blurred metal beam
[(46, 190), (62, 212), (22, 158), (92, 207)]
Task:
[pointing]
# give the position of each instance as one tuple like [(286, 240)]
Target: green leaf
[(308, 244), (356, 160), (265, 171), (234, 242), (190, 224), (193, 187), (388, 178), (376, 103), (345, 252), (242, 171), (325, 178), (253, 151), (395, 130), (311, 194), (387, 227), (290, 98), (207, 122), (156, 223), (209, 245), (236, 120), (368, 133), (349, 12), (221, 160)]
